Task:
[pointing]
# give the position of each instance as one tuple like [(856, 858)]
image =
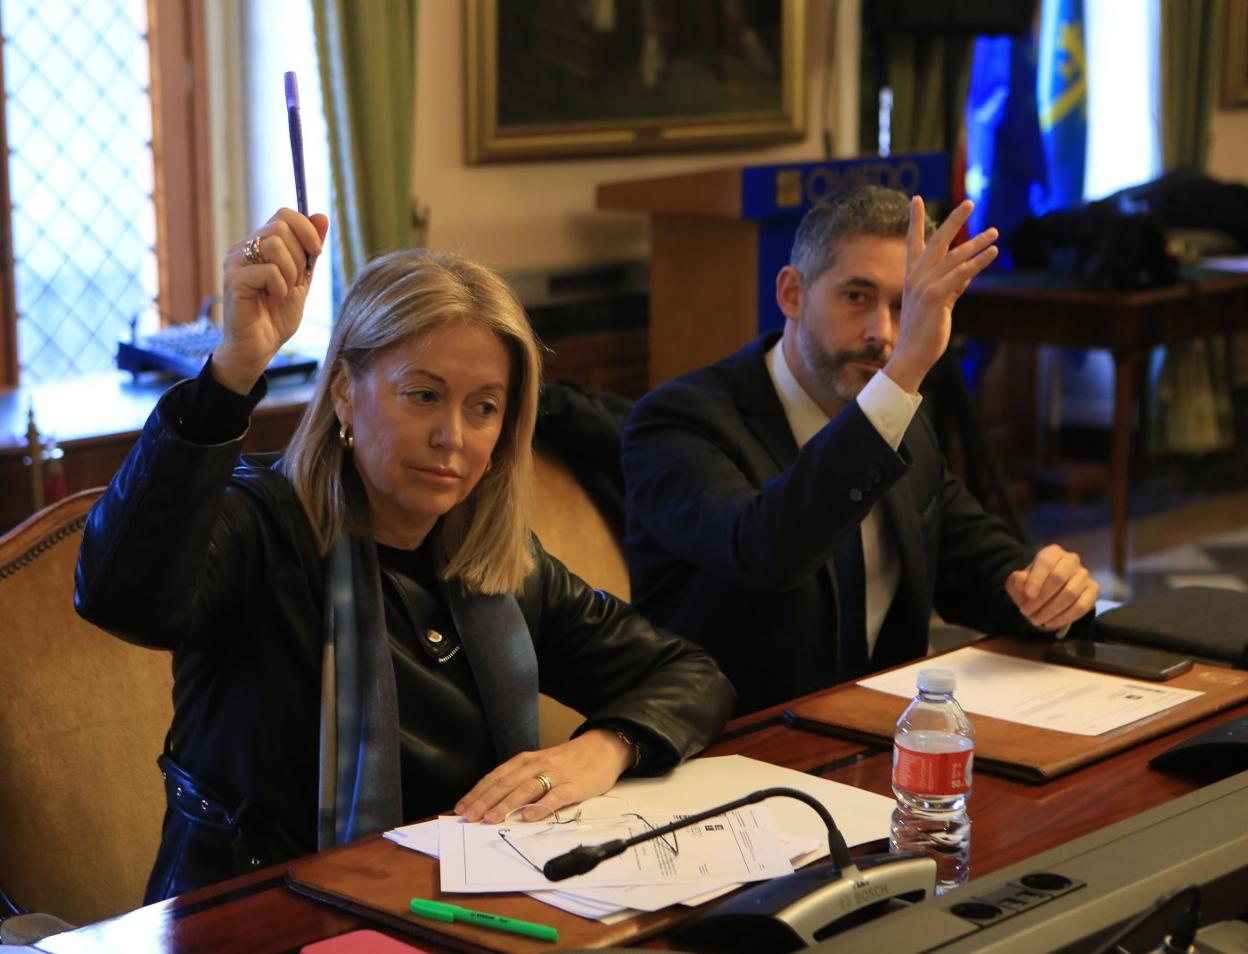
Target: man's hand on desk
[(576, 770), (1055, 590)]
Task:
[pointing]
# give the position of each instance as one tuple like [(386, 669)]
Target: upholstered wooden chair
[(572, 529), (82, 719)]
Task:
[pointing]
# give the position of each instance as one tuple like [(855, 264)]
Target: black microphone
[(581, 859), (585, 858)]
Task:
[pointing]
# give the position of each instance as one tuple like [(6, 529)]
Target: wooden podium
[(718, 238)]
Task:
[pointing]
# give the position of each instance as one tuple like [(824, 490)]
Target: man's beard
[(833, 368)]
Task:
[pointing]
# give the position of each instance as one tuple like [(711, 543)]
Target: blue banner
[(1062, 100), (787, 191), (1005, 163)]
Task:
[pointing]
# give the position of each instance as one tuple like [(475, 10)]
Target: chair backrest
[(82, 719), (572, 529)]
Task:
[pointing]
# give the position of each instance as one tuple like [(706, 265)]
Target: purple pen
[(296, 147)]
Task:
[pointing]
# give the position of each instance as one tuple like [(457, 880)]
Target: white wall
[(541, 214)]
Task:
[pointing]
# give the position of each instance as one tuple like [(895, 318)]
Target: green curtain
[(1191, 35), (1192, 401), (916, 71), (1192, 412), (367, 54)]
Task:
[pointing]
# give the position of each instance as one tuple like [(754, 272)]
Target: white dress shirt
[(890, 409)]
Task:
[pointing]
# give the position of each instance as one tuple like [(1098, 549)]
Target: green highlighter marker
[(441, 911)]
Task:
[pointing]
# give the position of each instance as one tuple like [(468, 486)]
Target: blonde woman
[(360, 629)]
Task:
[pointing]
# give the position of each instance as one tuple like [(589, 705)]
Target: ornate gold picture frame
[(555, 78)]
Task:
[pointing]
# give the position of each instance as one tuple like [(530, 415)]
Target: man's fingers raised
[(962, 276), (971, 247), (938, 245), (962, 263), (915, 234)]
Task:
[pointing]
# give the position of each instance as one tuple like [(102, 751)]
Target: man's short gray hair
[(844, 214)]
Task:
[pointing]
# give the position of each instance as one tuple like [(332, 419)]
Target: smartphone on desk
[(1120, 659)]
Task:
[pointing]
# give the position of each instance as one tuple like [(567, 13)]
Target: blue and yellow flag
[(1062, 101), (1005, 164)]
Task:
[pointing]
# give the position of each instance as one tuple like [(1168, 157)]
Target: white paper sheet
[(422, 837), (1039, 694), (739, 846), (861, 816), (583, 906)]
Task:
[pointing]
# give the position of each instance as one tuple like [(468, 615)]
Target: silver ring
[(543, 781), (251, 251)]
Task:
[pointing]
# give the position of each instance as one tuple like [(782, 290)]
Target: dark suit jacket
[(731, 530)]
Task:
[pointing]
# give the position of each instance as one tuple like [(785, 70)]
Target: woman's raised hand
[(266, 284)]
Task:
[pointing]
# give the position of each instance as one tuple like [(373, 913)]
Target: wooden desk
[(1032, 309), (257, 913)]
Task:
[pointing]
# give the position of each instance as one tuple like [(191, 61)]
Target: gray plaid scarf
[(360, 785)]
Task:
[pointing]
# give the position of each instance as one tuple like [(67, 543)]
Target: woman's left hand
[(576, 770)]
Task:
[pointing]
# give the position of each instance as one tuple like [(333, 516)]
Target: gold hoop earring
[(345, 437)]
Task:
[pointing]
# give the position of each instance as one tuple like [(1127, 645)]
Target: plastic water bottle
[(932, 754)]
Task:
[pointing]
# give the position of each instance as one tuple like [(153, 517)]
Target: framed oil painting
[(550, 78)]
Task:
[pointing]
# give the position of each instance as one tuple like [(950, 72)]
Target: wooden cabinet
[(95, 421)]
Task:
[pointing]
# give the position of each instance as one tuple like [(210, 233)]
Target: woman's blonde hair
[(397, 297)]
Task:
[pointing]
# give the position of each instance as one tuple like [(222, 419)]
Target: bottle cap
[(936, 680)]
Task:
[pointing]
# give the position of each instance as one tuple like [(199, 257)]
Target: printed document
[(1039, 694), (739, 846), (698, 784), (861, 816)]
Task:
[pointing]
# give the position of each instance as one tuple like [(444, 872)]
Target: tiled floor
[(1202, 541), (1220, 560)]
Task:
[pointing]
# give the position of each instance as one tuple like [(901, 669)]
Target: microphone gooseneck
[(585, 858)]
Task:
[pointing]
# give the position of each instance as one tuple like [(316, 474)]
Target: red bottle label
[(932, 773)]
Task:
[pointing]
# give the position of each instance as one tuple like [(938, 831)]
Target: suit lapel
[(764, 415), (760, 405)]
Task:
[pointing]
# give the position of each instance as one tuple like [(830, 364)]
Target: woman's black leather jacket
[(196, 551)]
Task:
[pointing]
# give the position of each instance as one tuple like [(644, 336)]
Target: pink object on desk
[(361, 942)]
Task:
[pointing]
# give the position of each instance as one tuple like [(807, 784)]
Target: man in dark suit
[(789, 511)]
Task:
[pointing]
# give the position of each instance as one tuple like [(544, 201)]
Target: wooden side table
[(1037, 309)]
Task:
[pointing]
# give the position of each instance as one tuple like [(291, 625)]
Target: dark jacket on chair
[(194, 551)]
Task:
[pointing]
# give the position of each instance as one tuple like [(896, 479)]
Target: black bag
[(1202, 621), (1184, 199), (1098, 246)]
